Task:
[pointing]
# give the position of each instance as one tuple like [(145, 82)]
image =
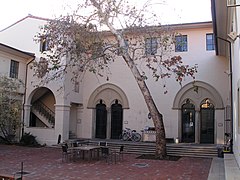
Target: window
[(44, 44), (14, 69), (210, 44), (151, 46), (181, 43), (76, 87)]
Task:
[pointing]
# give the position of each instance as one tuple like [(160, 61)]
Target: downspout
[(25, 90), (231, 79)]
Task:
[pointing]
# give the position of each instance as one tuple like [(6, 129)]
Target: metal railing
[(45, 111)]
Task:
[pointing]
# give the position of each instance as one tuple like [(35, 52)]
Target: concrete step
[(192, 150)]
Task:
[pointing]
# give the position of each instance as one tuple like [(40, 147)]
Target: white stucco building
[(226, 18), (97, 107)]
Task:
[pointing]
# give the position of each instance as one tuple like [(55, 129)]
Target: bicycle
[(129, 134)]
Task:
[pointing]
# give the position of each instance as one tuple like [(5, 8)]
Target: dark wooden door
[(188, 122), (207, 124), (116, 120), (101, 121)]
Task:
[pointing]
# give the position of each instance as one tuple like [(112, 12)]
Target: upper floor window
[(151, 46), (210, 44), (14, 66), (181, 43), (44, 44)]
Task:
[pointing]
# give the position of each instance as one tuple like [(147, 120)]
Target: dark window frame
[(151, 46), (181, 44), (210, 42), (14, 69), (44, 44)]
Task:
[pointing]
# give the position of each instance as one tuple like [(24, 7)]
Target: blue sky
[(172, 11)]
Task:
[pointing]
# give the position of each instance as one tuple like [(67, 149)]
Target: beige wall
[(236, 87), (210, 70), (5, 61)]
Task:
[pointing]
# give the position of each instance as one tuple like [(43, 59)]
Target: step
[(193, 150)]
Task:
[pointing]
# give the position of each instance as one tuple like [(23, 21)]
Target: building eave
[(28, 16), (220, 24), (17, 52)]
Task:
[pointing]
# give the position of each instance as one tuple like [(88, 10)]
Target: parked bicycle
[(129, 134)]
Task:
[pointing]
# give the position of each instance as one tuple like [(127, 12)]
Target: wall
[(236, 88), (5, 61), (211, 69)]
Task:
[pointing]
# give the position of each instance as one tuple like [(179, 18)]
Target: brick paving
[(45, 163)]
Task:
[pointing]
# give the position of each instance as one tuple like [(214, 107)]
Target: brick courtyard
[(46, 163)]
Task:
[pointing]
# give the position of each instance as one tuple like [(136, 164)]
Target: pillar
[(79, 120), (62, 115), (27, 111), (197, 126)]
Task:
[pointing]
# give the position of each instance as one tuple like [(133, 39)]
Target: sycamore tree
[(100, 32), (10, 108)]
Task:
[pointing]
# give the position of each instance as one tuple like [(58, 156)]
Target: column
[(108, 136), (197, 126), (27, 111), (62, 115), (79, 120)]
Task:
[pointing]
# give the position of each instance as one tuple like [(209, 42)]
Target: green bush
[(29, 140)]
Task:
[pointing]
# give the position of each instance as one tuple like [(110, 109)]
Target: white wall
[(5, 61), (210, 70), (236, 86)]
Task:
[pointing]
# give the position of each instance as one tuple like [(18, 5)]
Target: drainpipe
[(231, 79), (25, 90)]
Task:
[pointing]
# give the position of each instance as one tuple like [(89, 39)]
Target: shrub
[(29, 140)]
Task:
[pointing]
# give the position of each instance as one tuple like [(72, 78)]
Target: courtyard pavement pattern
[(45, 163)]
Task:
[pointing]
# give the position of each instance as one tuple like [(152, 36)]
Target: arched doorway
[(206, 105), (110, 113), (116, 120), (207, 122), (188, 122), (101, 120), (42, 111)]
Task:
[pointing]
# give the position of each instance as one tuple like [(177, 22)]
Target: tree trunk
[(155, 114)]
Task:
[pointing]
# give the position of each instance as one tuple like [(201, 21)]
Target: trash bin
[(220, 152)]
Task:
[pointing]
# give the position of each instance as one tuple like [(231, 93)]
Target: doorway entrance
[(188, 122), (116, 120), (101, 120), (106, 127), (207, 122)]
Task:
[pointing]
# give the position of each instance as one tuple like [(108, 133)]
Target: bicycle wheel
[(125, 137), (120, 137), (136, 137)]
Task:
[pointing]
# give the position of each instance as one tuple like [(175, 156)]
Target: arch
[(38, 92), (42, 112), (109, 93), (197, 91)]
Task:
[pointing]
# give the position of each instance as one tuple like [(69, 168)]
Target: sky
[(172, 11)]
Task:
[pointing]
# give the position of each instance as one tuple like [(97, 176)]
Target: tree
[(80, 42), (10, 108)]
